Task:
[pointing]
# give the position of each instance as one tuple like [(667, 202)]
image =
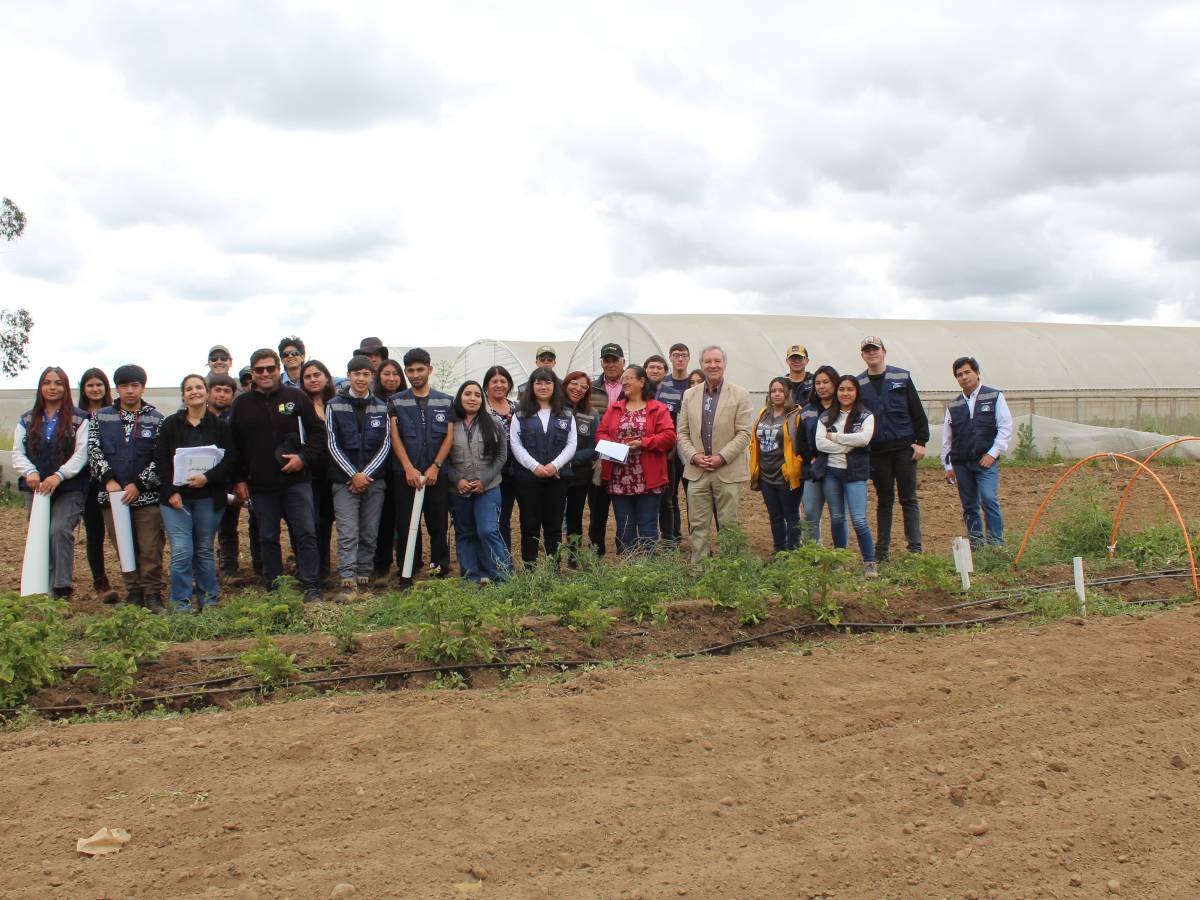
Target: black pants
[(598, 503), (435, 510), (508, 496), (323, 509), (543, 501), (577, 495), (387, 544), (892, 470), (93, 527), (227, 539), (295, 504), (669, 521)]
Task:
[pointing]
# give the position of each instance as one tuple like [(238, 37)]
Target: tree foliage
[(15, 325), (12, 220)]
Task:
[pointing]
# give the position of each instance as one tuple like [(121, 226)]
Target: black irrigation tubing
[(1063, 585)]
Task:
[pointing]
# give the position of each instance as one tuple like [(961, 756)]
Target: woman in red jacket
[(643, 424)]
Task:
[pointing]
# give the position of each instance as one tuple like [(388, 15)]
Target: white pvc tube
[(414, 528), (35, 569), (123, 526)]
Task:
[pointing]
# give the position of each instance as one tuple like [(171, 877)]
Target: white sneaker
[(871, 570)]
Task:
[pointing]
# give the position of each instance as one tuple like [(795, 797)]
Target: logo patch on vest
[(563, 423), (985, 407), (896, 385), (583, 429), (147, 432), (376, 421), (439, 417)]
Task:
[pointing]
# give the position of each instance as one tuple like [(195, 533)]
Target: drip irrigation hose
[(1065, 585)]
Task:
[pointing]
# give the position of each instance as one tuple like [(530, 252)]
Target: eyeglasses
[(219, 357), (286, 353), (263, 370), (675, 353)]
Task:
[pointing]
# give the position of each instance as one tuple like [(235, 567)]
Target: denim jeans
[(295, 504), (783, 511), (477, 538), (848, 497), (637, 521), (190, 531), (813, 501), (979, 486), (357, 517)]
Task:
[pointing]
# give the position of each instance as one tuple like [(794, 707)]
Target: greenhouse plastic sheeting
[(1074, 441)]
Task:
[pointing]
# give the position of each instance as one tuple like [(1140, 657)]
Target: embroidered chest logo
[(147, 432), (287, 409), (583, 429), (376, 421), (985, 407), (562, 424), (896, 385), (439, 417)]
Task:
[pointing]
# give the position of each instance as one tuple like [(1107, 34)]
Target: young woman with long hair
[(774, 465), (473, 471), (389, 379), (317, 384), (543, 439), (49, 455), (192, 511), (497, 385), (812, 498), (95, 393), (577, 387), (844, 463), (644, 425)]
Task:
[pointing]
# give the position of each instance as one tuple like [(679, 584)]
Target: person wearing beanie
[(121, 454)]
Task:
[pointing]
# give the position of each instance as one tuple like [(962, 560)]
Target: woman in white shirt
[(542, 436), (843, 465)]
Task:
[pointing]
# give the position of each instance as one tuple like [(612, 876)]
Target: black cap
[(611, 349), (128, 374), (371, 345)]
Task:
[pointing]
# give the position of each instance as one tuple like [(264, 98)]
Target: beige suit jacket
[(733, 428)]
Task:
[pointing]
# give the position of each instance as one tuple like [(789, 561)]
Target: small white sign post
[(961, 548), (414, 528), (1080, 588)]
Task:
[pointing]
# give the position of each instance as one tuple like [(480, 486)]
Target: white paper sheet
[(612, 451), (35, 570), (123, 526), (191, 461)]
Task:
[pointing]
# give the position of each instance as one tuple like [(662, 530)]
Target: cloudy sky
[(232, 172)]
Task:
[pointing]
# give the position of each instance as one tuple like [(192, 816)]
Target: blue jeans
[(783, 511), (843, 495), (976, 486), (191, 531), (477, 536), (814, 502), (637, 520)]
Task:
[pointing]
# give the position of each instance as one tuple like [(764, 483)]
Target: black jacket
[(265, 426), (175, 432)]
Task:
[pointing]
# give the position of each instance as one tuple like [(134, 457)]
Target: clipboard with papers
[(191, 461)]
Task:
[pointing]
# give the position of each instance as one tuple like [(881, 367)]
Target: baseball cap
[(219, 348), (797, 350), (611, 349), (545, 350), (872, 341)]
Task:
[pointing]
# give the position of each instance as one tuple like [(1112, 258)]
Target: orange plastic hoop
[(1112, 541)]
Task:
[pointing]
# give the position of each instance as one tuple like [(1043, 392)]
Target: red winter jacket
[(658, 442)]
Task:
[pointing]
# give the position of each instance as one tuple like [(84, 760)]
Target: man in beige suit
[(715, 426)]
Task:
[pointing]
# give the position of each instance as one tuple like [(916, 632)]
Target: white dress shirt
[(1004, 427)]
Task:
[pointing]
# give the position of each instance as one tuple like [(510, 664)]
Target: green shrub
[(31, 635), (269, 665), (1157, 547), (1083, 527), (927, 571), (133, 630), (115, 670), (806, 578), (451, 619), (735, 578), (642, 585), (579, 603), (1026, 450)]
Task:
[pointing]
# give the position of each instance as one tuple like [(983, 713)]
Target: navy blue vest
[(422, 440), (51, 458), (805, 439), (357, 444), (544, 445), (858, 462), (127, 458), (800, 390), (585, 438), (972, 436), (890, 406)]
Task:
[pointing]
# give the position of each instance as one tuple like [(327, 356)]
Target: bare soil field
[(1057, 761)]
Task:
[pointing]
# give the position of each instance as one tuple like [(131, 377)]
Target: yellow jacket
[(792, 464)]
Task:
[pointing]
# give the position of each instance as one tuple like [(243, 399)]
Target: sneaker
[(871, 570), (364, 584), (312, 595)]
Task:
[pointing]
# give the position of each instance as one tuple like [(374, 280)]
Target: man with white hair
[(716, 423)]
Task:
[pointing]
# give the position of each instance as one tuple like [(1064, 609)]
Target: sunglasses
[(263, 370), (220, 357), (286, 353)]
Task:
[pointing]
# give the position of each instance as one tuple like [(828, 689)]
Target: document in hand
[(612, 451), (191, 461)]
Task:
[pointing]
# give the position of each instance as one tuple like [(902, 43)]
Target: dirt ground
[(1057, 761), (1022, 490)]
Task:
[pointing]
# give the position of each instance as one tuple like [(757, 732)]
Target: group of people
[(301, 447)]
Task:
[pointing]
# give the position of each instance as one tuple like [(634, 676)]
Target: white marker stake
[(414, 528), (1079, 585), (35, 570), (123, 526), (963, 561)]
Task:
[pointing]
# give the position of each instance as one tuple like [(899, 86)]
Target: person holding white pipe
[(49, 455)]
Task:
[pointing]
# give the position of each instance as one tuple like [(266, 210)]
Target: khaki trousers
[(148, 549), (709, 496)]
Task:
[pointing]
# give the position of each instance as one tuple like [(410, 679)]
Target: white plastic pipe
[(123, 526), (1080, 586), (35, 569), (414, 528)]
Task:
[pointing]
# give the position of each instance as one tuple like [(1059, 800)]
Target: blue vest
[(422, 440), (127, 458), (51, 458), (800, 390), (670, 397), (890, 406), (858, 462), (357, 444), (806, 438), (545, 446), (585, 443), (972, 436)]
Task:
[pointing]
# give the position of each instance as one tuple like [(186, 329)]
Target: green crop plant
[(450, 622), (133, 630), (31, 636), (928, 571), (642, 585), (807, 577), (579, 603), (735, 578), (115, 669), (344, 631), (269, 665)]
